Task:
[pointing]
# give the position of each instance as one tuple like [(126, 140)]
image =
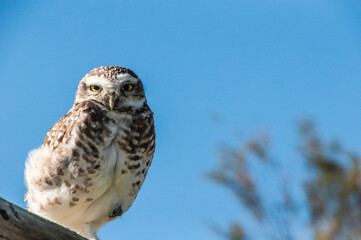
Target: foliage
[(331, 186)]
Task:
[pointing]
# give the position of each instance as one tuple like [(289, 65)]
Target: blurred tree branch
[(331, 186)]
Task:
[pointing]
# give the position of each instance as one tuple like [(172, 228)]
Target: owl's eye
[(95, 88), (127, 87)]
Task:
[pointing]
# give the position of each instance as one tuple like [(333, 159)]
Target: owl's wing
[(84, 122), (60, 133), (69, 153)]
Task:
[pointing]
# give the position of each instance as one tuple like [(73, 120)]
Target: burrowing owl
[(93, 161)]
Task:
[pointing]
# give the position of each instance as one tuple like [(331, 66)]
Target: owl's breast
[(126, 156)]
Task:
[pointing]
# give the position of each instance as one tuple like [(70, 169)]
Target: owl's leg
[(89, 232)]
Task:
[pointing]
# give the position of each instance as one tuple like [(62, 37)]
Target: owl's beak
[(111, 102)]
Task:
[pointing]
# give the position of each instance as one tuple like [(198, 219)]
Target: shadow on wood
[(18, 224)]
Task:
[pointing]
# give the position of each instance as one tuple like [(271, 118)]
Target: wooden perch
[(19, 224)]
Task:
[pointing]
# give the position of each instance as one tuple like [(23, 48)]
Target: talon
[(117, 211)]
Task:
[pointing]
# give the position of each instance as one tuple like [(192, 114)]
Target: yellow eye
[(95, 88), (127, 87)]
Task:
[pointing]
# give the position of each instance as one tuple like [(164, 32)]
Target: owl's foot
[(90, 233)]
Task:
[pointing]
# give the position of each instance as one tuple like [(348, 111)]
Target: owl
[(94, 160)]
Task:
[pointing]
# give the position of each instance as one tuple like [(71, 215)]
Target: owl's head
[(112, 86)]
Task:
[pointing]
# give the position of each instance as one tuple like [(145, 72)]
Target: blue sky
[(258, 64)]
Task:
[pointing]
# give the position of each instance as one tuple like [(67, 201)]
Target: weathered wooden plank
[(18, 224)]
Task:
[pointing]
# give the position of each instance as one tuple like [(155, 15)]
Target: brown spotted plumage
[(94, 160)]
